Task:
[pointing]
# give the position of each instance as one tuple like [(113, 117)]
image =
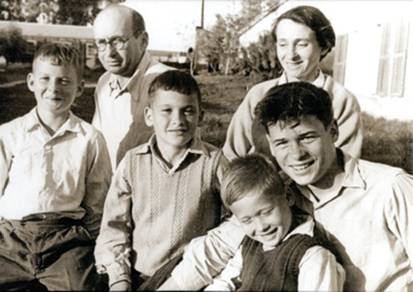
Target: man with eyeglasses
[(121, 92)]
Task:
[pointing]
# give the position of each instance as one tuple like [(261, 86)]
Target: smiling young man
[(303, 36), (122, 92), (364, 207)]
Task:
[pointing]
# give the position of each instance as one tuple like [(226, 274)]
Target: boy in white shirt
[(54, 174)]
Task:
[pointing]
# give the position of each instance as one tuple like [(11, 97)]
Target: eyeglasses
[(117, 42)]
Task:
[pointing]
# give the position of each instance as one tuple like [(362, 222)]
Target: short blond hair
[(61, 54), (254, 172)]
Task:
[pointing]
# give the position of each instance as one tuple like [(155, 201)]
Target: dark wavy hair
[(316, 21), (177, 81), (292, 101)]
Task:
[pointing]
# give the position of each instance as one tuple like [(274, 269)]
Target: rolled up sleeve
[(206, 256), (113, 245)]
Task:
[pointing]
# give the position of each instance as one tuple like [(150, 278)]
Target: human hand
[(120, 286)]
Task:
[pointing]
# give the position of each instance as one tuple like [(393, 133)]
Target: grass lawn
[(385, 141)]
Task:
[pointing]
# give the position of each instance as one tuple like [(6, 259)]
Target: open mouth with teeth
[(270, 233), (302, 166)]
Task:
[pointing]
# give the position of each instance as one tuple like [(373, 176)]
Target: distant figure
[(192, 61), (304, 36), (122, 92), (54, 175), (164, 192)]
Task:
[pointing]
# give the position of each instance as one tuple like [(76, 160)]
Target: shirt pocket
[(22, 163)]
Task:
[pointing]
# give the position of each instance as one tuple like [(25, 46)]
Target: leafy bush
[(12, 44)]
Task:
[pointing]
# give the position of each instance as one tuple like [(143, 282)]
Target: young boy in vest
[(281, 252), (163, 193), (54, 174)]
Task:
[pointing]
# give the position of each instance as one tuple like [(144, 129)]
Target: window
[(340, 55), (393, 57)]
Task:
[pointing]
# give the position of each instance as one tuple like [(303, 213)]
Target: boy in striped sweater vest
[(282, 250), (164, 193)]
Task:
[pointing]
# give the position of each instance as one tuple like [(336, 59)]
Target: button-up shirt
[(319, 270), (369, 221), (152, 210), (245, 134), (67, 173), (119, 109)]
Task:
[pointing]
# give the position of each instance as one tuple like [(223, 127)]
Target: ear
[(30, 81), (334, 130), (148, 116), (323, 53), (144, 39), (201, 117), (80, 88), (270, 144)]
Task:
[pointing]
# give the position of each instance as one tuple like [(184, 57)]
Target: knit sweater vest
[(171, 209), (274, 270)]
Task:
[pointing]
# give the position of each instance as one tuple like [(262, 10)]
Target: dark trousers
[(161, 275), (41, 253)]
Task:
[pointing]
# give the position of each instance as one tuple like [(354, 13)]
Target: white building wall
[(362, 20), (362, 62), (408, 90)]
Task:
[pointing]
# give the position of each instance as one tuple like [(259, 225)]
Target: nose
[(260, 225), (110, 50), (296, 150), (291, 52), (178, 117), (53, 86)]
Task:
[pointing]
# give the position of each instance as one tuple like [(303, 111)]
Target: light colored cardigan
[(246, 136)]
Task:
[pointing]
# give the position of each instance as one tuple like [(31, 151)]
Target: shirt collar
[(133, 82), (353, 178), (319, 81), (72, 124), (196, 147)]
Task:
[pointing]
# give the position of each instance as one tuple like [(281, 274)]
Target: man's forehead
[(113, 22), (285, 124), (307, 122)]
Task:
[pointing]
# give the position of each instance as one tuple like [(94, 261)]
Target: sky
[(171, 23)]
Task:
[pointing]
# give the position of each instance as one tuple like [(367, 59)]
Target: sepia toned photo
[(217, 145)]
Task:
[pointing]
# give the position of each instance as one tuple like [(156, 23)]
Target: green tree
[(222, 41)]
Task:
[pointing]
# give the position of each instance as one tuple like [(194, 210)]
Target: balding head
[(133, 17), (122, 29)]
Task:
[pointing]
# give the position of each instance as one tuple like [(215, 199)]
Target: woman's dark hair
[(316, 21)]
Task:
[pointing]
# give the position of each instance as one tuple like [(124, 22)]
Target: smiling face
[(264, 218), (297, 50), (174, 117), (304, 149), (117, 23), (55, 87)]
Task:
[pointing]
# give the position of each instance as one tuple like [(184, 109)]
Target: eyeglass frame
[(121, 41)]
